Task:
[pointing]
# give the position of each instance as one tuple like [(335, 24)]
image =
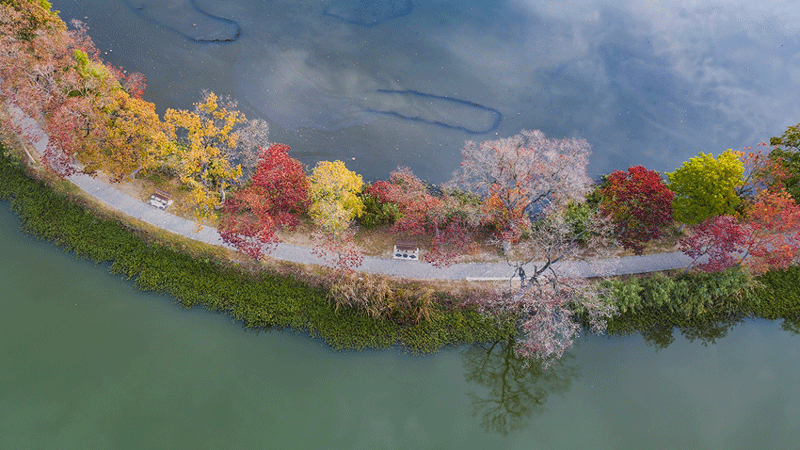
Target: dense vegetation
[(260, 301), (702, 305)]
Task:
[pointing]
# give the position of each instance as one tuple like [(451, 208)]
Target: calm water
[(392, 82), (90, 363)]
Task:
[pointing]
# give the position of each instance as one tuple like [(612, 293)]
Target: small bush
[(378, 213)]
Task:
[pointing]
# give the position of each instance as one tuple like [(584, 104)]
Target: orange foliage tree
[(92, 112), (775, 227)]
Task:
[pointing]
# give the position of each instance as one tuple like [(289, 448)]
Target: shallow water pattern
[(645, 83), (185, 18)]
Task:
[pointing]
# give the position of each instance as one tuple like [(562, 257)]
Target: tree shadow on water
[(661, 336), (791, 325), (517, 388)]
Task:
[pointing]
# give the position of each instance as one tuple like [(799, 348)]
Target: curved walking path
[(489, 271)]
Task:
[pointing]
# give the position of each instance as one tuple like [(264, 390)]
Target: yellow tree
[(123, 133), (334, 199), (334, 204), (134, 136), (201, 157), (705, 186)]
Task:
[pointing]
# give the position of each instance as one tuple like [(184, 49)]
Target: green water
[(88, 362)]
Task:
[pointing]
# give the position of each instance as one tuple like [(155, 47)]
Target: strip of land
[(477, 271)]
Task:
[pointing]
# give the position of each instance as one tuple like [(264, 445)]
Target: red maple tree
[(273, 200), (717, 243), (769, 238), (775, 231), (639, 205), (450, 222)]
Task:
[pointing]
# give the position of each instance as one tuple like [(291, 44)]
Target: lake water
[(382, 83), (88, 362)]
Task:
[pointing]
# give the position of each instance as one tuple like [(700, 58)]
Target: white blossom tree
[(519, 175), (525, 182), (548, 302)]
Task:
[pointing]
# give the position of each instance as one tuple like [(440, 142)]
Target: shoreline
[(260, 300), (191, 276), (414, 270)]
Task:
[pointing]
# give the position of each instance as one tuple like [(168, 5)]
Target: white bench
[(407, 251), (160, 199)]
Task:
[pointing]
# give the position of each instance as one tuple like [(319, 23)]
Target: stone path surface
[(397, 268)]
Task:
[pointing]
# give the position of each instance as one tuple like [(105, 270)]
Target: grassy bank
[(703, 306), (257, 300)]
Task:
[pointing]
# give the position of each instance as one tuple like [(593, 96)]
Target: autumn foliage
[(768, 238), (716, 243), (705, 186), (202, 152), (639, 205), (274, 199), (518, 187), (92, 112), (451, 221), (775, 231), (761, 172), (520, 175)]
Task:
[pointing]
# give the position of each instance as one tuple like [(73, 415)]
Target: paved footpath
[(408, 269)]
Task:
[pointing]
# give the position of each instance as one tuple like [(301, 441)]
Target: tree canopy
[(523, 173), (705, 186), (201, 156), (639, 204), (787, 154), (334, 200), (274, 199), (451, 220), (767, 238)]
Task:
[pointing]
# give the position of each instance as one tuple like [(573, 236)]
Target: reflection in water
[(660, 336), (791, 325), (369, 13), (187, 19), (517, 389), (649, 83)]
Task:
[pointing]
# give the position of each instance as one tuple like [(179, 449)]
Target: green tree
[(705, 186), (787, 154)]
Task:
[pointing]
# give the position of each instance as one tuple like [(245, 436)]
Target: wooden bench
[(406, 250), (160, 199)]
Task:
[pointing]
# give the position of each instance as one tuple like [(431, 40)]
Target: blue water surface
[(645, 83)]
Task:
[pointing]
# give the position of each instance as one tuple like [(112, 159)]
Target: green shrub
[(378, 213), (578, 216)]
